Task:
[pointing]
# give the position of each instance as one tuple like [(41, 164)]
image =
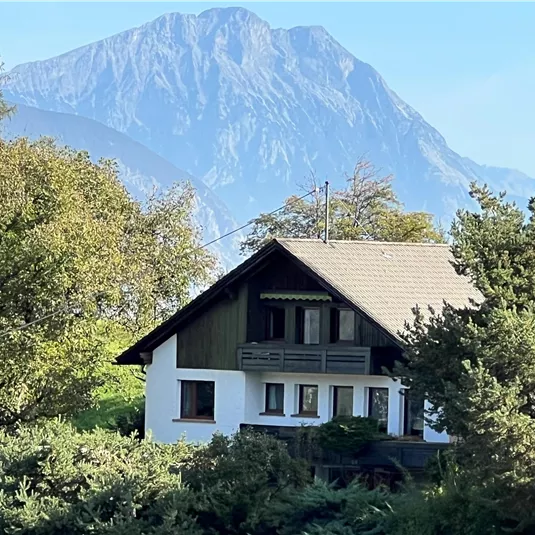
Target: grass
[(105, 414)]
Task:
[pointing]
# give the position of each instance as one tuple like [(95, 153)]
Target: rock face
[(140, 169), (251, 110)]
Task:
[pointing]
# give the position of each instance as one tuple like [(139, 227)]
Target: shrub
[(348, 434), (235, 478), (56, 480)]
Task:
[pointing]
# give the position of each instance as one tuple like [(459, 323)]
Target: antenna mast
[(326, 238)]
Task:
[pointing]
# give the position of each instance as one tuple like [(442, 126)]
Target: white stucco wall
[(163, 399), (240, 397), (255, 393)]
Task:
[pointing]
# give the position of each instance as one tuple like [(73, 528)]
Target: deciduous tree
[(366, 209), (78, 259)]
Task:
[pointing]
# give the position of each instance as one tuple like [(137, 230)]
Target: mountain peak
[(249, 109), (230, 13)]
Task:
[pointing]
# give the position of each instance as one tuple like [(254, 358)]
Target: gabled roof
[(384, 281)]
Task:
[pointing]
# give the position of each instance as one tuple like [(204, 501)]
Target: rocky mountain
[(141, 170), (251, 109)]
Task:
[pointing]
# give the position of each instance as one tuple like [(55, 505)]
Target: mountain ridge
[(251, 110)]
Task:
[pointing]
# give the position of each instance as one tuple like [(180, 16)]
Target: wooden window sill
[(271, 414), (194, 420), (304, 415)]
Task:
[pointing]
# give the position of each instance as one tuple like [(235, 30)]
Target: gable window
[(308, 400), (342, 401), (342, 325), (197, 400), (276, 322), (413, 424), (274, 398), (308, 325), (378, 406)]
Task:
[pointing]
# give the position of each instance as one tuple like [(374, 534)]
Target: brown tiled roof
[(386, 280)]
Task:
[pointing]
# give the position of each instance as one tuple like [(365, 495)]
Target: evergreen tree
[(476, 365)]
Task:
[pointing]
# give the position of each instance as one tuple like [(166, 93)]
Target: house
[(298, 333)]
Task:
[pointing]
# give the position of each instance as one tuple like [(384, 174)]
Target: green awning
[(297, 296)]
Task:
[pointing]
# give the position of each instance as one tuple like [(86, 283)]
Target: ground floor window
[(342, 401), (308, 400), (197, 400), (413, 424), (274, 398), (378, 406)]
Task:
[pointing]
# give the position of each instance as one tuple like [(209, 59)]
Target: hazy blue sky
[(468, 68)]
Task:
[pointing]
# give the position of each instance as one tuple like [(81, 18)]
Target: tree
[(366, 209), (476, 364), (80, 259), (5, 109)]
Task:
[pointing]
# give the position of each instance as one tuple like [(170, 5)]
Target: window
[(308, 400), (413, 415), (342, 401), (378, 406), (346, 325), (342, 325), (276, 322), (307, 323), (197, 400), (274, 398)]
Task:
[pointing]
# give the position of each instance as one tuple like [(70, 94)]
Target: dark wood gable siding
[(280, 274), (210, 341)]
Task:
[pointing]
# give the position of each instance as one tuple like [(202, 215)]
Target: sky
[(467, 68)]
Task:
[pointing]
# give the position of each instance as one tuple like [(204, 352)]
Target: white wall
[(255, 393), (240, 397), (163, 399)]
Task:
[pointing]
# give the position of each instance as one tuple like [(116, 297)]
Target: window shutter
[(299, 325), (334, 326)]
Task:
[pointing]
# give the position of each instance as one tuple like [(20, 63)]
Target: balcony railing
[(304, 358)]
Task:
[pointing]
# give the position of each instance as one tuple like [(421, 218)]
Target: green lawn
[(106, 413)]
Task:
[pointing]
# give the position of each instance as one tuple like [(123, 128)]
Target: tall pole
[(326, 239)]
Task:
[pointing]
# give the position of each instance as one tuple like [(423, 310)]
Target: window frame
[(335, 399), (183, 390), (268, 336), (408, 431), (371, 389), (300, 410), (334, 326), (318, 309), (267, 410)]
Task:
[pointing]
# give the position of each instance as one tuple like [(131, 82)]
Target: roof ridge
[(367, 242)]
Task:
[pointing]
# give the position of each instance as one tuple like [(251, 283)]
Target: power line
[(65, 307), (38, 320), (250, 222)]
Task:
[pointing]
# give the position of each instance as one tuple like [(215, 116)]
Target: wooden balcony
[(304, 358)]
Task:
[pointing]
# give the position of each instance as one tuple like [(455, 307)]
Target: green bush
[(344, 434), (235, 478), (348, 434), (55, 480)]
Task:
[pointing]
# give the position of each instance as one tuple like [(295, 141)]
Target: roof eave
[(169, 327)]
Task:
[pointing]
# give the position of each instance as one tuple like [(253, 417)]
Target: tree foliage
[(80, 259), (367, 208), (5, 109), (476, 365)]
